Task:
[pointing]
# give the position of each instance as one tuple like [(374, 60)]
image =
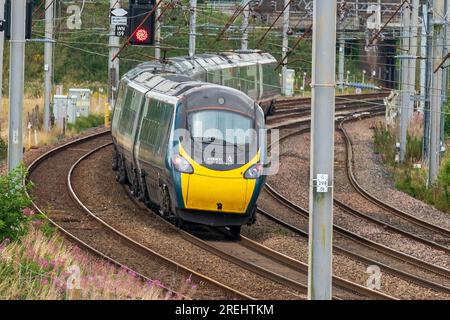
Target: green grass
[(83, 123), (408, 179)]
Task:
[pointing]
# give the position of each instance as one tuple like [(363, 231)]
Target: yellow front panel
[(205, 193), (206, 188)]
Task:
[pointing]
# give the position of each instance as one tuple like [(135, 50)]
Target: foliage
[(384, 143), (3, 149), (13, 200), (410, 179), (46, 267), (83, 123)]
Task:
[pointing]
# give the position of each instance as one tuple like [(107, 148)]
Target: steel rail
[(400, 213), (135, 243), (358, 239), (265, 251), (89, 247)]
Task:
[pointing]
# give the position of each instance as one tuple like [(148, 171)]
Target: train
[(187, 137), (252, 72)]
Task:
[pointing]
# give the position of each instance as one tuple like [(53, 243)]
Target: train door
[(151, 144), (127, 127)]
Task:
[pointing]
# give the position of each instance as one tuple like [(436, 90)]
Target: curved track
[(246, 254), (80, 226), (393, 261), (78, 221), (435, 229)]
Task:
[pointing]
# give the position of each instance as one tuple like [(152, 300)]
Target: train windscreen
[(220, 125)]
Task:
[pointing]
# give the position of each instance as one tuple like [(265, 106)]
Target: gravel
[(295, 154), (376, 179), (107, 199)]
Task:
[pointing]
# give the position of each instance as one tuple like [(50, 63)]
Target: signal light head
[(141, 35)]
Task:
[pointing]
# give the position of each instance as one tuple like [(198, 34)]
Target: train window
[(247, 77), (215, 76), (231, 78), (118, 105), (211, 125), (154, 129), (131, 104), (271, 80)]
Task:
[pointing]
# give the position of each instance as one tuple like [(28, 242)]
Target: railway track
[(249, 255), (263, 261), (80, 226), (397, 263), (408, 218), (301, 106)]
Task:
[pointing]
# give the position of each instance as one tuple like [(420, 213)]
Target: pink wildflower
[(28, 212), (37, 223), (30, 254), (157, 283)]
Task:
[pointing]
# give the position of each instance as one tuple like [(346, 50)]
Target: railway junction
[(316, 169)]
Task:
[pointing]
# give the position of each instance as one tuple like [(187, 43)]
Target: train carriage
[(251, 72), (173, 146)]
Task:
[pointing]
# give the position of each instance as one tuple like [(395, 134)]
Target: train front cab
[(212, 184)]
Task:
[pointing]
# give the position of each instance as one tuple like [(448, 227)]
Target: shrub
[(13, 200), (83, 123), (3, 149), (40, 267), (384, 143)]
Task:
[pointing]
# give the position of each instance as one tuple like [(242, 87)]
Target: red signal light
[(141, 35)]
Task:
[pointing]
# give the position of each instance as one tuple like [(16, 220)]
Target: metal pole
[(158, 31), (341, 62), (48, 62), (412, 61), (405, 97), (2, 44), (192, 27), (322, 150), (16, 78), (427, 98), (246, 14), (113, 66), (285, 44), (444, 73), (436, 89), (423, 54)]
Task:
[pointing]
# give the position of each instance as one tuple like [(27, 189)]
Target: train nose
[(217, 193)]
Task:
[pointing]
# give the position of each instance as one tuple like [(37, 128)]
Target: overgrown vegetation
[(83, 123), (3, 149), (13, 200), (36, 263), (411, 176), (42, 267)]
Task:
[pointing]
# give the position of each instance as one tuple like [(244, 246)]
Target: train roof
[(173, 78), (223, 60), (189, 65)]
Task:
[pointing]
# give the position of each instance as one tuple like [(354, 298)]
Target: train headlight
[(254, 172), (181, 164)]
